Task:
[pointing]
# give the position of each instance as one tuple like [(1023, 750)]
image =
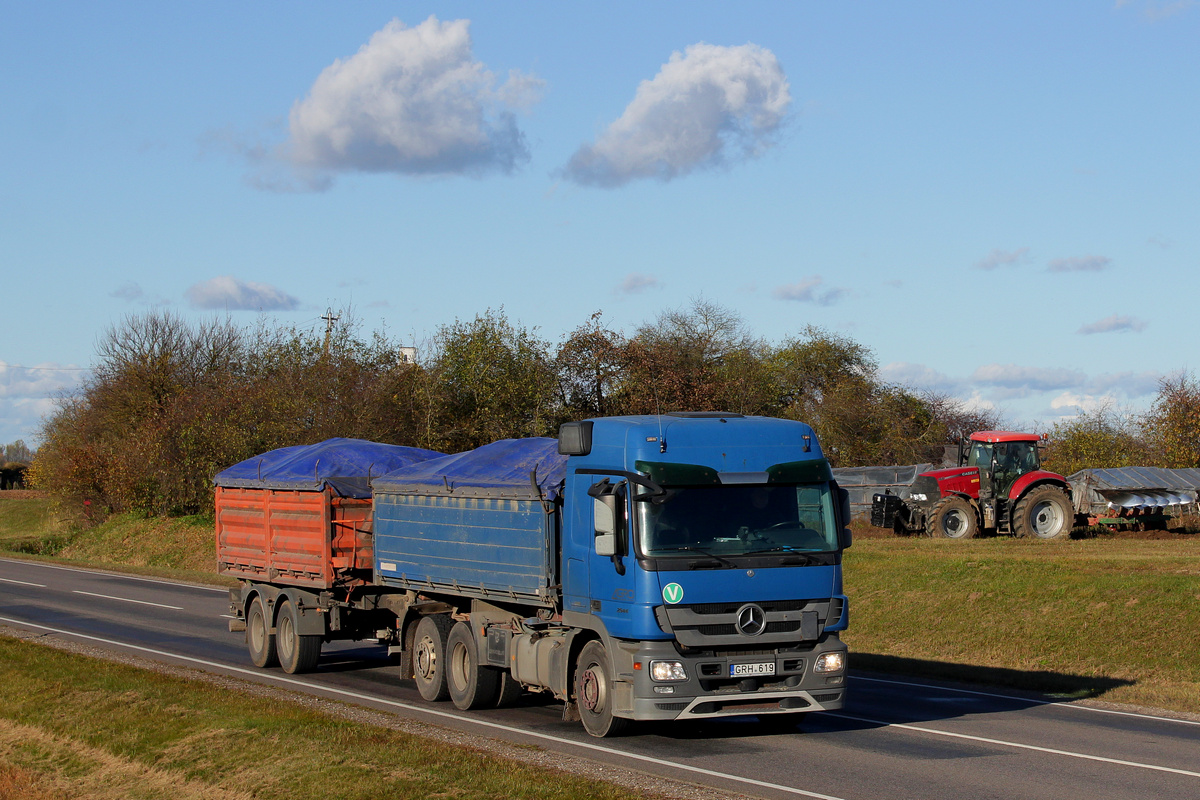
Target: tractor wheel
[(1044, 512), (952, 518)]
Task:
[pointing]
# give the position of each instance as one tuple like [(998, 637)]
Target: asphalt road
[(897, 738)]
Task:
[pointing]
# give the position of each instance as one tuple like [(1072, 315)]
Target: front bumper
[(709, 691)]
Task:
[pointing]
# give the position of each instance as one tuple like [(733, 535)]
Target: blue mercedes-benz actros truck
[(671, 567)]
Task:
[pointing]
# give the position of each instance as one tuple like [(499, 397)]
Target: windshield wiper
[(713, 556), (805, 557)]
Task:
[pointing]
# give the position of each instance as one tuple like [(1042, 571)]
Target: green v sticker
[(672, 593)]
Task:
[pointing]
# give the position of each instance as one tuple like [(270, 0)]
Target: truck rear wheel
[(1044, 512), (297, 653), (952, 518), (594, 691), (509, 691), (470, 683), (429, 656), (259, 639)]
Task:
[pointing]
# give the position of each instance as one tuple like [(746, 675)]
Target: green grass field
[(1112, 618)]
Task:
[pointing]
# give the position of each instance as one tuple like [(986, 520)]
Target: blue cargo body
[(490, 548), (477, 524)]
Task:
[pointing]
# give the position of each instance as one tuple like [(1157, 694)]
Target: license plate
[(743, 670)]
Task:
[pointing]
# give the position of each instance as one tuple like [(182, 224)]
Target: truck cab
[(705, 560)]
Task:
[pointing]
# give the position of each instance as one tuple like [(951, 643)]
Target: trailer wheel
[(594, 691), (259, 639), (470, 683), (952, 517), (429, 656), (1044, 512), (297, 653)]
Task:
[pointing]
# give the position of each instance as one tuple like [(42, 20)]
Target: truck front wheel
[(259, 639), (429, 656), (1044, 512), (297, 653), (470, 683), (952, 518), (594, 691)]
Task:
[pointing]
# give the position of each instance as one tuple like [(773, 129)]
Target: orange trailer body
[(313, 539)]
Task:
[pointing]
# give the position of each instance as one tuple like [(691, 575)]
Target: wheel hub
[(424, 660), (589, 690)]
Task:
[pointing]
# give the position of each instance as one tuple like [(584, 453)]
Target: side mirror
[(605, 511), (845, 537)]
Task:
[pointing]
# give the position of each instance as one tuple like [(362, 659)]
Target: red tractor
[(998, 484)]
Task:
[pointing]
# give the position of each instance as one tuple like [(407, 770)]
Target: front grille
[(730, 630), (732, 608), (670, 706), (788, 623)]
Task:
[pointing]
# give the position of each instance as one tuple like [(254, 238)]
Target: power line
[(3, 365)]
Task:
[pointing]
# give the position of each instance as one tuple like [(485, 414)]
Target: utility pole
[(330, 319)]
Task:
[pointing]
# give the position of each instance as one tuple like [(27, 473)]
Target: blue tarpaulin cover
[(499, 469), (347, 465)]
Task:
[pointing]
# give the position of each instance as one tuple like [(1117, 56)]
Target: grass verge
[(1109, 618), (175, 547), (77, 727)]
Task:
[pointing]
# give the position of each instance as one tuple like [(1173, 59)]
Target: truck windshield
[(739, 520)]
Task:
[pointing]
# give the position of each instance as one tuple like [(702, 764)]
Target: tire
[(1044, 512), (297, 653), (594, 692), (952, 518), (509, 691), (429, 656), (471, 684), (259, 639)]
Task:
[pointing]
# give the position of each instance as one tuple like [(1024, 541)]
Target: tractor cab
[(1002, 457)]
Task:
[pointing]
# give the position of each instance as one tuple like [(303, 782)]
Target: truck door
[(612, 564)]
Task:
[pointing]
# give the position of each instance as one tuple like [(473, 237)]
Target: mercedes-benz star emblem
[(751, 620)]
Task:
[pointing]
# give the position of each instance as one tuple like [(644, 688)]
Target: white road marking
[(127, 600), (259, 674), (1031, 700), (1018, 745), (122, 575), (24, 583)]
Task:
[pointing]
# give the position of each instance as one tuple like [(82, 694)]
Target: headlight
[(920, 498), (830, 662), (667, 671)]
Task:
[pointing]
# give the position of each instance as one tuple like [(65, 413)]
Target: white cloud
[(1114, 324), (1076, 403), (1079, 264), (1130, 384), (27, 394), (230, 294), (127, 291), (708, 106), (809, 290), (920, 377), (1016, 381), (43, 380), (411, 101), (1003, 258), (635, 283), (1158, 10)]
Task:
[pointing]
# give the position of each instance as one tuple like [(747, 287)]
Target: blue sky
[(1000, 199)]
